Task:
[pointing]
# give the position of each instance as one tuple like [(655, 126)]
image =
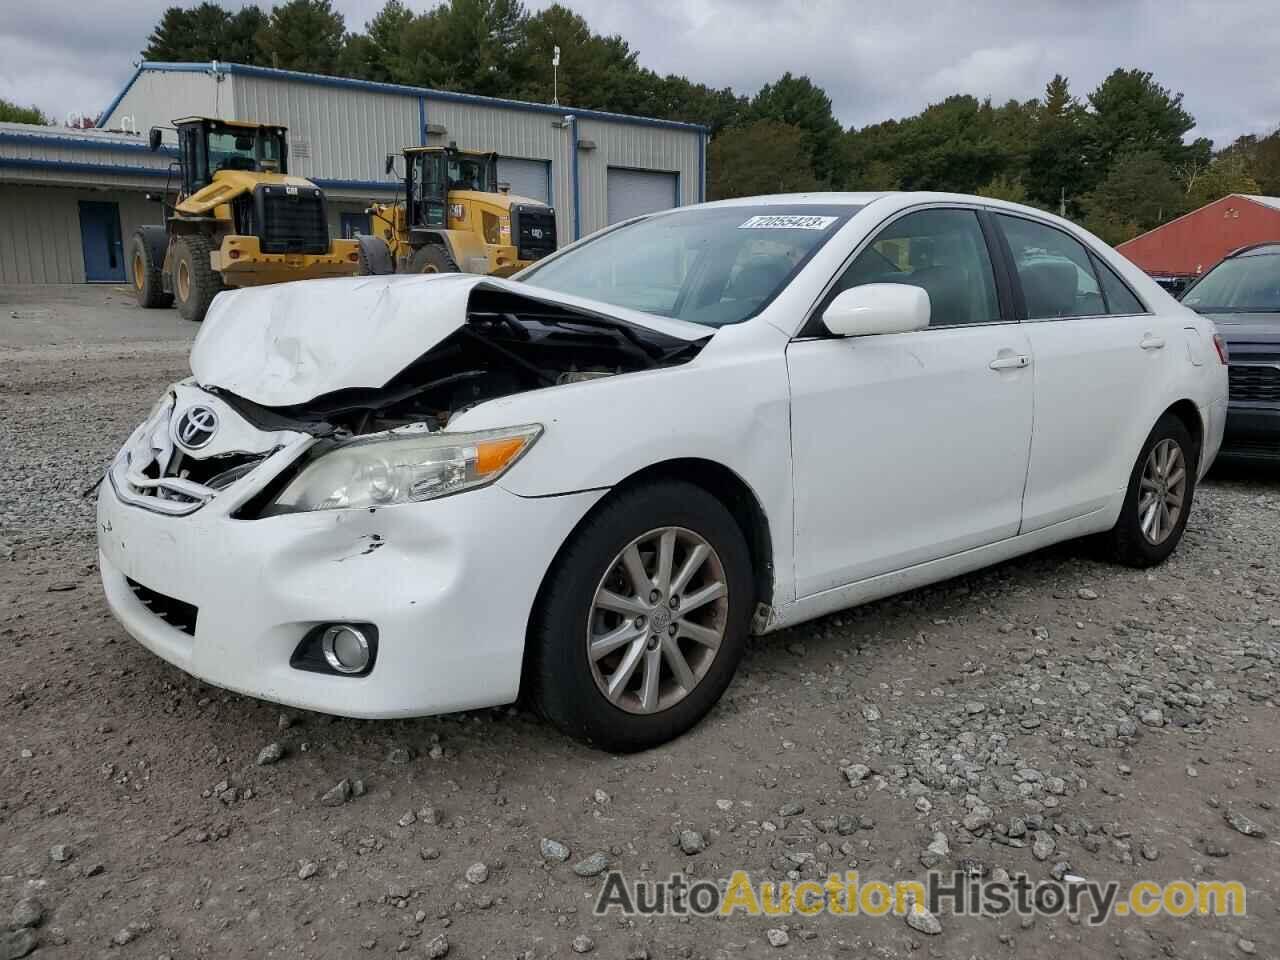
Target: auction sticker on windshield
[(784, 222)]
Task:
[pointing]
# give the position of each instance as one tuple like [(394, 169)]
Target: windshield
[(708, 265), (470, 173), (1245, 284), (237, 148)]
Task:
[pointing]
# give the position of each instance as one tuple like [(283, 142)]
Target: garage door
[(528, 178), (633, 192)]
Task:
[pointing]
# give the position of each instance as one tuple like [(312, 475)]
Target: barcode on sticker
[(787, 222)]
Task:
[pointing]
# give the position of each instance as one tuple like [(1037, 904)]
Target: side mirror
[(391, 163), (877, 308), (153, 139)]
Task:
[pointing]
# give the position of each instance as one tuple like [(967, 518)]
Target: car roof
[(1267, 248)]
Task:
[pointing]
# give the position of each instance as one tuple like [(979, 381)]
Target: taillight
[(1221, 346)]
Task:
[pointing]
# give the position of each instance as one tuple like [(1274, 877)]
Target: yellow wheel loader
[(455, 217), (240, 220)]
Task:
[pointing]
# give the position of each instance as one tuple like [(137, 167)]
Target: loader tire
[(433, 258), (148, 286), (195, 283)]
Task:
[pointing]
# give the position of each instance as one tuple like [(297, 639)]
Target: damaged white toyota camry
[(393, 496)]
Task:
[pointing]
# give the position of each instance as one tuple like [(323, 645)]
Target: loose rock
[(553, 850), (592, 866), (921, 920), (28, 913), (272, 753), (338, 794)]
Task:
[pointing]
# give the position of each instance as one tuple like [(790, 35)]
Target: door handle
[(1152, 343), (1016, 362)]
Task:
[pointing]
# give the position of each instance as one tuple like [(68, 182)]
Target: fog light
[(345, 648)]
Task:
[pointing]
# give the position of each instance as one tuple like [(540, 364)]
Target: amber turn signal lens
[(493, 455)]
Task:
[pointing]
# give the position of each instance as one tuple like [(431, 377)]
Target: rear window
[(708, 265)]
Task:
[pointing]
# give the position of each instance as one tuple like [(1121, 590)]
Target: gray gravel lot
[(1051, 715)]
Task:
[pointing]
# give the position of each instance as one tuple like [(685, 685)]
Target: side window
[(1120, 299), (942, 251), (1054, 269)]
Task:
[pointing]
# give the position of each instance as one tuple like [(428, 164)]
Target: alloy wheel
[(1162, 491), (657, 620)]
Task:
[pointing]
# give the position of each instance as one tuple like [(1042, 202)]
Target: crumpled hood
[(288, 343)]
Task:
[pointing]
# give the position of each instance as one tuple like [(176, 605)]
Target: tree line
[(1114, 160)]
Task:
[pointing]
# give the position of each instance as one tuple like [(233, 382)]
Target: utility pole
[(555, 76), (1062, 203)]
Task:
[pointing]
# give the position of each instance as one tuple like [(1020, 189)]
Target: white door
[(528, 178), (1100, 365), (911, 447), (635, 192)]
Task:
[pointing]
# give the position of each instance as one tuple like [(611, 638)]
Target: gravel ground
[(1054, 710)]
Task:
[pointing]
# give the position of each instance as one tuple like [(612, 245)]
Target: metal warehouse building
[(69, 199), (1194, 242)]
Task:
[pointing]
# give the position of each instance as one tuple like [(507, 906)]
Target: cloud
[(875, 60)]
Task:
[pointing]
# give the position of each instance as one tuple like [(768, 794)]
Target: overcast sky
[(875, 59)]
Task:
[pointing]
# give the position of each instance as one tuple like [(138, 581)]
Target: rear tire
[(148, 285), (570, 686), (1158, 501), (433, 258), (195, 282)]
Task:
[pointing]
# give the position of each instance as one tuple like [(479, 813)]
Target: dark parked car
[(1242, 295), (1174, 286)]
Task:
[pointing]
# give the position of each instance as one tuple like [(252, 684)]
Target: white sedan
[(393, 496)]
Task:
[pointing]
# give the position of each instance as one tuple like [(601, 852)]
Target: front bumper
[(242, 263), (1253, 432), (449, 584)]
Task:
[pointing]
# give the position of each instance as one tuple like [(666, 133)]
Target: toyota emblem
[(196, 427)]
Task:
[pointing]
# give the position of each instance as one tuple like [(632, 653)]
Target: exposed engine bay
[(509, 344)]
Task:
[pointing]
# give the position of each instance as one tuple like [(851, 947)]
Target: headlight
[(397, 468)]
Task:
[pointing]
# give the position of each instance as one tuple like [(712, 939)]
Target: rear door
[(1101, 363)]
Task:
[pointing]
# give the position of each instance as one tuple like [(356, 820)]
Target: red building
[(1196, 241)]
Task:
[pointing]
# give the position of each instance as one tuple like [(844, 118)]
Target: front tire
[(1158, 500), (195, 283), (643, 618), (147, 284), (433, 258)]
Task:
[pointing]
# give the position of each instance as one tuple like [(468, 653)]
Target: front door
[(100, 239), (910, 447)]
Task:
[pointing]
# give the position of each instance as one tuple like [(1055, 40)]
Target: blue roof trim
[(85, 143), (573, 176), (316, 79), (79, 167), (75, 166), (111, 107), (702, 168)]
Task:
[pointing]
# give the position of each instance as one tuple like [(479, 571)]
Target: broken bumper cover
[(449, 584)]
